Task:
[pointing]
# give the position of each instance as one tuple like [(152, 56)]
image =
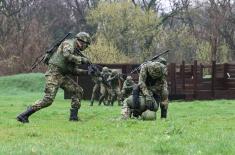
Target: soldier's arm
[(78, 71), (124, 85), (142, 81), (67, 50), (112, 77), (127, 86), (120, 77)]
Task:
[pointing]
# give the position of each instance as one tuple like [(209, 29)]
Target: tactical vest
[(60, 61)]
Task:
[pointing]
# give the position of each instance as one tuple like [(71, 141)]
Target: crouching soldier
[(139, 106), (127, 87), (153, 83)]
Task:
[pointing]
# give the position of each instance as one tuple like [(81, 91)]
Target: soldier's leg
[(76, 95), (113, 96), (52, 84), (164, 101), (119, 97), (103, 93), (94, 90), (108, 96), (126, 111)]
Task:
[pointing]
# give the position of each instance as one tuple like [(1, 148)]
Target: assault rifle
[(154, 58), (93, 69), (47, 55)]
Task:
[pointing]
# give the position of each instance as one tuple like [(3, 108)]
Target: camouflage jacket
[(128, 85), (114, 80), (66, 58), (152, 77)]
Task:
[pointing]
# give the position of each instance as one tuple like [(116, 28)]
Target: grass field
[(199, 127)]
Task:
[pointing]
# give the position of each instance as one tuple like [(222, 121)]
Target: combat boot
[(101, 100), (73, 114), (92, 101), (119, 103), (163, 113), (23, 117)]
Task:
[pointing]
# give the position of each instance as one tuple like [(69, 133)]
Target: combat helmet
[(128, 78), (114, 72), (84, 37), (105, 69), (162, 60), (155, 69), (148, 115)]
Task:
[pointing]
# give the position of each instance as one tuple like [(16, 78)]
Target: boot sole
[(21, 119)]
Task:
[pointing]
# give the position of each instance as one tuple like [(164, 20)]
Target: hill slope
[(22, 83)]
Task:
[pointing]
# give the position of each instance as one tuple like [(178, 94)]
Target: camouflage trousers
[(104, 91), (116, 94), (160, 92), (94, 91), (54, 81)]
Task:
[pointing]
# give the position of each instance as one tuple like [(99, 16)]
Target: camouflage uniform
[(97, 80), (104, 86), (115, 79), (57, 76), (152, 82), (127, 87), (63, 62), (147, 105)]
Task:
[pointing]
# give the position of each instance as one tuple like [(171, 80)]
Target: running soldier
[(63, 63)]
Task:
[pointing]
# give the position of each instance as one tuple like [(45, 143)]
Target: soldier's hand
[(151, 103)]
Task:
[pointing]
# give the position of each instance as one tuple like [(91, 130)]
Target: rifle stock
[(45, 57)]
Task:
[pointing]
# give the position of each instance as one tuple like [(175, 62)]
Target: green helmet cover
[(83, 36)]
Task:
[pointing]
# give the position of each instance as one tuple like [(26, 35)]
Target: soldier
[(146, 109), (115, 81), (62, 63), (152, 82), (97, 80), (127, 87), (104, 86)]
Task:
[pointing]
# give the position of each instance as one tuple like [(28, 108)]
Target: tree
[(130, 28)]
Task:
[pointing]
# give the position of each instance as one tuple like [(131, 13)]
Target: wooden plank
[(213, 78)]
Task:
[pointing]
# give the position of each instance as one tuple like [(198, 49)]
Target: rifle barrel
[(154, 58)]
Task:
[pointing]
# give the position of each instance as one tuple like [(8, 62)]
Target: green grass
[(199, 127), (22, 84)]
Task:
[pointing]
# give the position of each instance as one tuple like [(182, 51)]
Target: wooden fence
[(185, 81), (200, 81)]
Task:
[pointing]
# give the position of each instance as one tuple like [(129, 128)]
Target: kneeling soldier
[(144, 107)]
